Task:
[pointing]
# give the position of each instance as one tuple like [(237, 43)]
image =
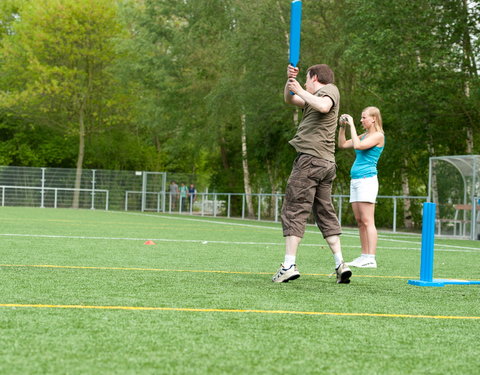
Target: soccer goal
[(454, 186)]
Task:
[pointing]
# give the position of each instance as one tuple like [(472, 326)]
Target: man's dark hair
[(323, 72)]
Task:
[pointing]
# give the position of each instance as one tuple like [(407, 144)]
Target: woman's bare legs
[(365, 216)]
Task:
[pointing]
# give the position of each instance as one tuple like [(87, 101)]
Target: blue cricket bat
[(295, 26)]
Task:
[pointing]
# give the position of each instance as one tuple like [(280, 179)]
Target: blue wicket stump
[(427, 252)]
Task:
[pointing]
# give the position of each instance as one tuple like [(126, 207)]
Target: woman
[(364, 183)]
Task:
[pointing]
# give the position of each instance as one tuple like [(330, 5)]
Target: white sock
[(338, 258), (289, 260), (369, 256)]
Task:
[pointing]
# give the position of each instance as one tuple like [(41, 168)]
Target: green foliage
[(54, 71), (167, 83), (23, 143), (412, 70)]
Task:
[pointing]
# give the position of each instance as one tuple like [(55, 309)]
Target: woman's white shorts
[(364, 189)]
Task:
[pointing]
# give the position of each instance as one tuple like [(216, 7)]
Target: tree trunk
[(223, 154), (407, 212), (246, 172), (468, 128), (434, 192), (469, 69), (274, 186), (469, 141), (434, 188), (285, 28), (81, 154)]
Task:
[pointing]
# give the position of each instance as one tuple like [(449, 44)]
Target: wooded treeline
[(196, 86)]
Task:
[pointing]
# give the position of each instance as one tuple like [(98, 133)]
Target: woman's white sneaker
[(363, 262)]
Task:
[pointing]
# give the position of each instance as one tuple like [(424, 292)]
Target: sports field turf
[(83, 294)]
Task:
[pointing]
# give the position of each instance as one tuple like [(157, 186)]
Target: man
[(310, 182), (173, 195), (192, 195), (183, 197)]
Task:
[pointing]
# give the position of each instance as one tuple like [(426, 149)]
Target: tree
[(56, 64), (408, 60)]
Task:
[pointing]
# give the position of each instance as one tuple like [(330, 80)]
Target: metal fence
[(55, 187), (147, 191), (267, 206)]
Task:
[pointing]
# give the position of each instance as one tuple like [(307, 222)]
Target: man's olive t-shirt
[(316, 132)]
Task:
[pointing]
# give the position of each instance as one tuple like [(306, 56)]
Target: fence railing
[(394, 198), (90, 186), (62, 197), (266, 206), (147, 191)]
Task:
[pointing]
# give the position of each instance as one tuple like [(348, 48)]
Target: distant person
[(364, 182), (183, 196), (192, 195), (173, 195), (310, 183)]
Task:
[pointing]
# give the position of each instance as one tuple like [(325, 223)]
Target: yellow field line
[(175, 270), (286, 312)]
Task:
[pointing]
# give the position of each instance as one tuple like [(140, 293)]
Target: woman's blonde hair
[(375, 113)]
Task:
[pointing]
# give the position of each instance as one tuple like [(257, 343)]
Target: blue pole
[(428, 235), (426, 260), (295, 28)]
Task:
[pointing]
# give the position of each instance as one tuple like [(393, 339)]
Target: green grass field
[(83, 294)]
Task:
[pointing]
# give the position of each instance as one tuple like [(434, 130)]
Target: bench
[(458, 221)]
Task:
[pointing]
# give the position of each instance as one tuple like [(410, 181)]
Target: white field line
[(345, 234), (205, 242), (352, 234)]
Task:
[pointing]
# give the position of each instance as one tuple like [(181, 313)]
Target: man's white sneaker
[(363, 262), (343, 274), (284, 275)]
